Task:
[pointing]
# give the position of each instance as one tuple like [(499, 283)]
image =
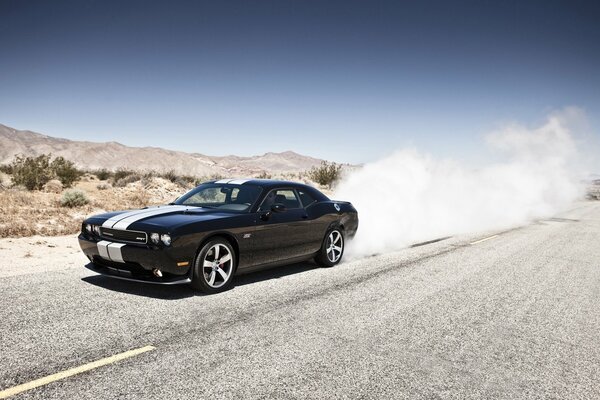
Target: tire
[(330, 255), (209, 275)]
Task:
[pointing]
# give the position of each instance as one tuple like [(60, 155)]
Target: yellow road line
[(484, 239), (73, 371)]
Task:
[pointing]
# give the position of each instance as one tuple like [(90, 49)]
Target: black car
[(219, 229)]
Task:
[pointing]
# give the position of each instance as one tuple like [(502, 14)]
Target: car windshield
[(221, 196)]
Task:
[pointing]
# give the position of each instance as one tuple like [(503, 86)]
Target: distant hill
[(113, 155)]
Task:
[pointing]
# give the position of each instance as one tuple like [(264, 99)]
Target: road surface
[(513, 314)]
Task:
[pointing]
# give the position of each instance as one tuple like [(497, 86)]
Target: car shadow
[(178, 292), (163, 292), (273, 273)]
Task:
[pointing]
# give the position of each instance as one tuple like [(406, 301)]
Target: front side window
[(222, 196), (287, 197)]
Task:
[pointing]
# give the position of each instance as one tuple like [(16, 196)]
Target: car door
[(280, 236)]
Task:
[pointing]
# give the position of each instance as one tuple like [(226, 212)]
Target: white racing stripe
[(113, 220), (114, 252), (122, 221), (103, 249), (238, 181), (111, 251), (224, 181)]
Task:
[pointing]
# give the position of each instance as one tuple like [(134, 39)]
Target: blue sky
[(343, 80)]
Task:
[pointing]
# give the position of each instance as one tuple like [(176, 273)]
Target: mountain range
[(113, 156)]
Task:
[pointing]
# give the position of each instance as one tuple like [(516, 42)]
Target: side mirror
[(278, 208)]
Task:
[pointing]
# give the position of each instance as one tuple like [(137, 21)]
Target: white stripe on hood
[(123, 221)]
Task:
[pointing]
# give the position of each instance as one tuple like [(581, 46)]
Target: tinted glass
[(306, 198), (222, 196), (287, 197)]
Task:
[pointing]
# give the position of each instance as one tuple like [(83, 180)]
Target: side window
[(287, 197), (306, 198)]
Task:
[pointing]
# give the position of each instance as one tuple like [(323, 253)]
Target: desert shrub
[(31, 172), (325, 174), (6, 168), (122, 173), (65, 171), (139, 198), (263, 175), (170, 176), (103, 174), (185, 181), (127, 180), (53, 186), (74, 198), (200, 181), (103, 186), (34, 172)]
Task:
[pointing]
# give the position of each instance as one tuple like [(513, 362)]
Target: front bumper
[(136, 262)]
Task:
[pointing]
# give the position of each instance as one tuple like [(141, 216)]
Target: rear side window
[(287, 197), (306, 198)]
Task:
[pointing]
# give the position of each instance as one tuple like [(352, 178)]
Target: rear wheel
[(332, 248), (214, 267)]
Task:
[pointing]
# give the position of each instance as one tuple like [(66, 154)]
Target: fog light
[(166, 239), (155, 238)]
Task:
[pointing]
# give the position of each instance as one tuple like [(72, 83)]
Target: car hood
[(158, 218)]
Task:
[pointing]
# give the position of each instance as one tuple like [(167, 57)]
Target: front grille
[(124, 236)]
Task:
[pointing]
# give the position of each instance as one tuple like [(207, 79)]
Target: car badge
[(337, 206)]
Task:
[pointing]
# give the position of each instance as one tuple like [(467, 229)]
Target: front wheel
[(332, 248), (214, 267)]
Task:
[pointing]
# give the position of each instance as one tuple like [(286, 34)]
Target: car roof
[(266, 183), (270, 184)]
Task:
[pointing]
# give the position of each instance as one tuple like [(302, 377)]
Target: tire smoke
[(411, 197)]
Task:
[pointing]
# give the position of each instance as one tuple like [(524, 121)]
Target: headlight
[(96, 229), (88, 228), (155, 238), (166, 239)]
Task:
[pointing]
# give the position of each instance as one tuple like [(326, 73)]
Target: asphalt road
[(514, 316)]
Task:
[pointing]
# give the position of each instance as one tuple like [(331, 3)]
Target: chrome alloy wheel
[(335, 245), (217, 266)]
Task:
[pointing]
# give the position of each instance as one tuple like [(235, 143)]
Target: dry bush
[(139, 198), (170, 175), (53, 186), (31, 172), (327, 174), (5, 180), (65, 171), (34, 172), (122, 173), (74, 198), (131, 178), (263, 175), (103, 174), (103, 186)]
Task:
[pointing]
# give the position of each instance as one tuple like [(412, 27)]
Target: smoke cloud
[(411, 197)]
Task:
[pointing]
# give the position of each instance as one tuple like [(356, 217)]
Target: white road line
[(484, 239), (73, 371)]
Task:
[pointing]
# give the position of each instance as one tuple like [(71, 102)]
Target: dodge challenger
[(218, 230)]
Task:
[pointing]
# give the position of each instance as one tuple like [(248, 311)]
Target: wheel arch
[(336, 224), (225, 235)]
